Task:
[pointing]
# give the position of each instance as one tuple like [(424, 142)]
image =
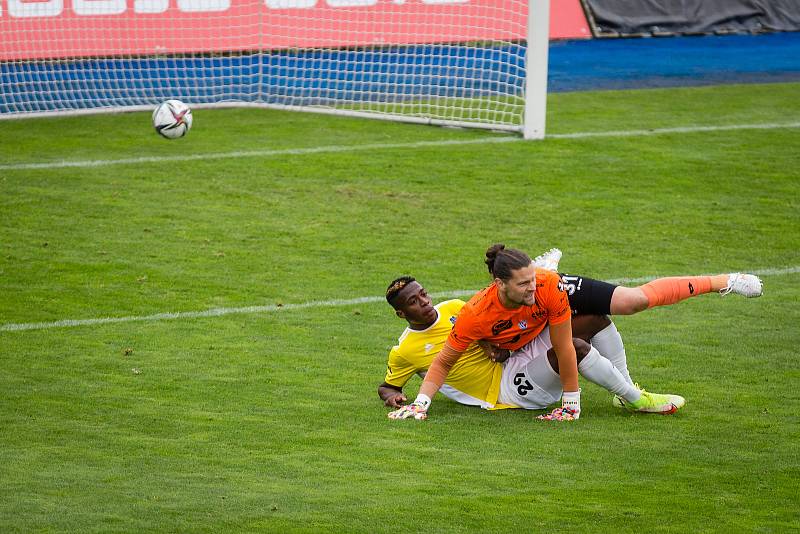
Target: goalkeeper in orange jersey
[(527, 380)]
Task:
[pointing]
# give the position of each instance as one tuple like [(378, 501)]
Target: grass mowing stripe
[(385, 146), (216, 312)]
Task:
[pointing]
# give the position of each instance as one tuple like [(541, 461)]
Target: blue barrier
[(674, 61), (291, 78), (397, 73)]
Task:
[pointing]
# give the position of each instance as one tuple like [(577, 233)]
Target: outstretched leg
[(588, 296), (670, 290)]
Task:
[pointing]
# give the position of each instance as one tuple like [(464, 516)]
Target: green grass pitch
[(270, 421)]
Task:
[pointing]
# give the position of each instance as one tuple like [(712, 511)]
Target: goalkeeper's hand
[(560, 414), (416, 410), (570, 408)]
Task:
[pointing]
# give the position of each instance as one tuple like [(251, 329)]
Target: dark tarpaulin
[(635, 17)]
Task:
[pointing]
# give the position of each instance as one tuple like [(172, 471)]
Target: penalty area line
[(332, 149), (272, 308)]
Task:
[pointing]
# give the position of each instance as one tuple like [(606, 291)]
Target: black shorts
[(588, 296)]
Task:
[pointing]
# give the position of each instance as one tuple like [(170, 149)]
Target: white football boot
[(747, 285), (549, 260)]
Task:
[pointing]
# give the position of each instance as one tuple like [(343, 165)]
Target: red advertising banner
[(80, 28)]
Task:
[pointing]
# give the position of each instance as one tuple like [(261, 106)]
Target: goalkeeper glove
[(572, 400), (570, 408), (560, 414), (417, 409)]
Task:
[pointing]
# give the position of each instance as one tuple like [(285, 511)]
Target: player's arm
[(559, 319), (392, 396), (561, 338), (400, 367)]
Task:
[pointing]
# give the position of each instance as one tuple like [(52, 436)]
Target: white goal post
[(469, 63)]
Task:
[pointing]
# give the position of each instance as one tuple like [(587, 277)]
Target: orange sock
[(665, 291)]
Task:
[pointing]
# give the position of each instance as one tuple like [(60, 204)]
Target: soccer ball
[(172, 119)]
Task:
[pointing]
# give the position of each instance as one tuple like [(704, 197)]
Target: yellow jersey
[(473, 380)]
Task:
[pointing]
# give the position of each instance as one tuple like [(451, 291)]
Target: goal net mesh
[(439, 61)]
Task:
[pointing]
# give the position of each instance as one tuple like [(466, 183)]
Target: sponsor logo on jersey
[(538, 313), (429, 347), (501, 325)]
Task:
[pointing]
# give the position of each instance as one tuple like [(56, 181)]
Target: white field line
[(681, 129), (271, 308), (379, 146)]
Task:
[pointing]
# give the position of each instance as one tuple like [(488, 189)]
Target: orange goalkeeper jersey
[(485, 318)]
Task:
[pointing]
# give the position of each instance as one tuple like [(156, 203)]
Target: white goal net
[(456, 62)]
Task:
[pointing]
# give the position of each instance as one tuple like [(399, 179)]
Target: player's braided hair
[(501, 260), (397, 285)]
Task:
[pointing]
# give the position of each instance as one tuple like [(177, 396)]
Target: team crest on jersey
[(522, 325), (428, 347), (453, 319)]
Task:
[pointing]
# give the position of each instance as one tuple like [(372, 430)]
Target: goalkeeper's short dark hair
[(397, 285)]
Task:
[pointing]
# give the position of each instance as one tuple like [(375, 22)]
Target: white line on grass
[(255, 153), (270, 308), (381, 146), (682, 129)]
